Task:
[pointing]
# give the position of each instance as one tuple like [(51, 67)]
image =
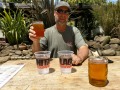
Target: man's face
[(61, 15)]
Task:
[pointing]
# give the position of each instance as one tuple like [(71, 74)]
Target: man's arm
[(81, 56), (83, 52), (36, 46)]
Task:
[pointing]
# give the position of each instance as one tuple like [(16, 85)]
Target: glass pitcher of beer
[(38, 28), (97, 71)]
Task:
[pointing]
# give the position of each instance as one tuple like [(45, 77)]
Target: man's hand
[(76, 60), (32, 35)]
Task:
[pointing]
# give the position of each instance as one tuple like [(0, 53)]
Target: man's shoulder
[(75, 29)]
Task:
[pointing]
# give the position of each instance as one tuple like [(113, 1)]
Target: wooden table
[(29, 79)]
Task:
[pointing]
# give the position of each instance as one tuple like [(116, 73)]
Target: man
[(61, 36)]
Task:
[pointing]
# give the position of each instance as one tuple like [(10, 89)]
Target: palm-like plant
[(14, 27)]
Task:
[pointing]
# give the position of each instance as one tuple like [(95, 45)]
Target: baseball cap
[(62, 3)]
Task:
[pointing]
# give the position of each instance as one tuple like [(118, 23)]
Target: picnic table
[(29, 79)]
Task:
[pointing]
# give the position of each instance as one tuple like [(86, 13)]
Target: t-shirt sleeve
[(79, 41), (44, 41)]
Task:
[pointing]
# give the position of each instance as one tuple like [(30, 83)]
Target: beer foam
[(98, 60)]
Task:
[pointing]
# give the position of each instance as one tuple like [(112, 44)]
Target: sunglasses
[(60, 11)]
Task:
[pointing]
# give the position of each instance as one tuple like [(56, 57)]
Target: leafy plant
[(14, 26), (74, 2), (115, 32), (108, 16), (103, 14), (84, 18), (44, 10)]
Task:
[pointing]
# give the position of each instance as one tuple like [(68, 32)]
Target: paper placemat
[(7, 72)]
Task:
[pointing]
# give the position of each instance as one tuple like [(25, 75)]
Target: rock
[(4, 53), (4, 59), (107, 46), (30, 53), (9, 47), (15, 47), (102, 39), (12, 51), (97, 45), (108, 52), (22, 46), (105, 40), (30, 50), (18, 52), (114, 41), (28, 56), (25, 52), (119, 48), (114, 46), (117, 53), (33, 57), (10, 54), (1, 47), (97, 38), (7, 44)]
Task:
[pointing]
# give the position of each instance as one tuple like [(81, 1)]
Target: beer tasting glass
[(97, 71), (38, 28), (65, 59), (43, 61)]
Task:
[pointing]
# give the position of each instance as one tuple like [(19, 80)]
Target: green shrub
[(14, 27), (108, 16)]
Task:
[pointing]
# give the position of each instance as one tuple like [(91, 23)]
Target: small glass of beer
[(38, 28), (97, 71)]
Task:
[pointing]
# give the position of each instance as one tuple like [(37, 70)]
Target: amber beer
[(38, 28), (98, 69)]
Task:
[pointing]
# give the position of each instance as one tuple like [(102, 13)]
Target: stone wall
[(8, 52), (105, 45)]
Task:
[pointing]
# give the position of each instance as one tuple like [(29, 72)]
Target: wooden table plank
[(29, 79)]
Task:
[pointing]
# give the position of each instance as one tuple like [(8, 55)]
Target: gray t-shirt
[(54, 41)]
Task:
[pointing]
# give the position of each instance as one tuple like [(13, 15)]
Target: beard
[(60, 22)]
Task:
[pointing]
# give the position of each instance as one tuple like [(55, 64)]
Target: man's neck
[(61, 28)]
